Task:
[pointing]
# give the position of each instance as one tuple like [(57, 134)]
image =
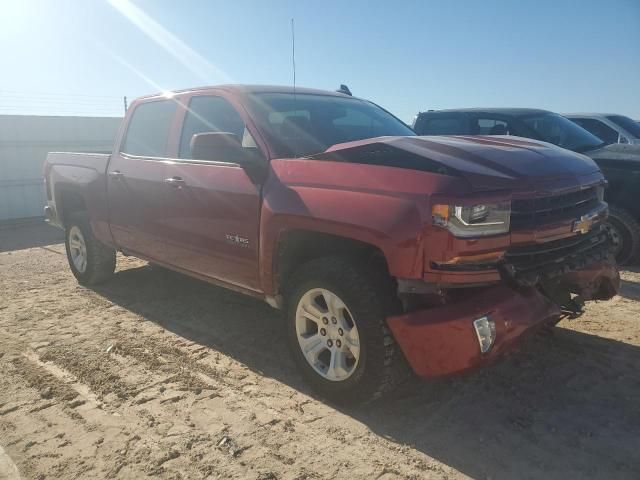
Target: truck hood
[(487, 162), (616, 151)]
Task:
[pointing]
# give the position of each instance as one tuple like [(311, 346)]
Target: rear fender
[(86, 188)]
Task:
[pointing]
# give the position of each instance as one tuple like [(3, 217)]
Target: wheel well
[(625, 204), (622, 195), (300, 246), (69, 203)]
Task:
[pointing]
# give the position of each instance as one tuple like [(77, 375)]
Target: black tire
[(625, 232), (100, 259), (381, 365)]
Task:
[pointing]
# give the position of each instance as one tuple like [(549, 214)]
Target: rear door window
[(491, 126), (149, 128), (488, 124)]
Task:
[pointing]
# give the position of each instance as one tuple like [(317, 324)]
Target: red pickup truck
[(383, 248)]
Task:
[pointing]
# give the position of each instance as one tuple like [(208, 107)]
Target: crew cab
[(382, 248), (620, 163)]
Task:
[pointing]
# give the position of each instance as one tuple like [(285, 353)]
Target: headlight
[(473, 220)]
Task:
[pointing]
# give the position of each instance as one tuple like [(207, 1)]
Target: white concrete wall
[(24, 143)]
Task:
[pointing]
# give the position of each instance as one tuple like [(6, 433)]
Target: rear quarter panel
[(81, 174)]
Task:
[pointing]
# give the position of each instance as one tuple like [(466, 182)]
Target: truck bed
[(94, 161)]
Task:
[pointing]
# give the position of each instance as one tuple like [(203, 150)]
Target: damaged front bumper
[(443, 340)]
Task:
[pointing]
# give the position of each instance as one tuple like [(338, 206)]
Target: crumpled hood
[(616, 151), (488, 162)]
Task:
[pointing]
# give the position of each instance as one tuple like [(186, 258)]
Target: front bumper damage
[(442, 340)]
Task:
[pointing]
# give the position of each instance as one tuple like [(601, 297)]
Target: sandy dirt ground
[(157, 375)]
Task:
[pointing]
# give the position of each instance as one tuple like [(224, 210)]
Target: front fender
[(372, 205)]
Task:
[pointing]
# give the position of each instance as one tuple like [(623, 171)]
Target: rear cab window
[(149, 128), (492, 126), (442, 125), (497, 125)]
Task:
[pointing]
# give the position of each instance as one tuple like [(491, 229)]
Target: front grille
[(528, 264), (530, 213)]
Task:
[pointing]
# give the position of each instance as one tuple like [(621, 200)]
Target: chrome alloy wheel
[(327, 335), (78, 249)]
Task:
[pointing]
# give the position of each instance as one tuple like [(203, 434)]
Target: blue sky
[(82, 56)]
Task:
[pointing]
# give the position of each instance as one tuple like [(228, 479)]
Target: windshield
[(306, 124), (561, 131), (625, 122)]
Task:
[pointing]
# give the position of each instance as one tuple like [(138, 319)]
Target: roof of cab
[(514, 112), (250, 89), (589, 114)]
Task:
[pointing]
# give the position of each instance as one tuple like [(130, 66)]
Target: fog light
[(486, 332)]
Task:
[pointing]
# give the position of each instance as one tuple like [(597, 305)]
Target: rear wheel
[(625, 234), (337, 331), (90, 260)]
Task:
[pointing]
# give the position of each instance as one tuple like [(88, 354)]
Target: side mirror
[(226, 147), (216, 146)]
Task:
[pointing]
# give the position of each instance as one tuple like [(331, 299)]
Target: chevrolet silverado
[(383, 249)]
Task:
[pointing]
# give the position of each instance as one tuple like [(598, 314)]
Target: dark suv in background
[(620, 163), (608, 127)]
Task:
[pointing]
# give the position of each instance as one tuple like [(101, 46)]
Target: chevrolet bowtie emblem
[(583, 224)]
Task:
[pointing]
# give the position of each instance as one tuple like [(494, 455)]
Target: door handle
[(116, 174), (175, 182)]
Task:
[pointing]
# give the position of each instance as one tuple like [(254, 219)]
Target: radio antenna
[(295, 97), (293, 54)]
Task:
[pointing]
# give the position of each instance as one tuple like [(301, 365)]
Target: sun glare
[(173, 45), (15, 17)]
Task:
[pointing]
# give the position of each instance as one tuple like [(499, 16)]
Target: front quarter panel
[(383, 206)]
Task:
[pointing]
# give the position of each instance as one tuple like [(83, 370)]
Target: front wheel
[(624, 230), (90, 260), (337, 331)]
